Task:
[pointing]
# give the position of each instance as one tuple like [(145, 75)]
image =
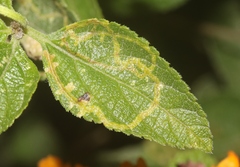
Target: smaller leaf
[(18, 79), (45, 15)]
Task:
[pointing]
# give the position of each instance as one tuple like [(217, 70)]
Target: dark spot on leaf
[(85, 97)]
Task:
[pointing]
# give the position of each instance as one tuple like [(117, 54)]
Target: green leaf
[(83, 9), (10, 13), (7, 3), (18, 79), (45, 15), (105, 73)]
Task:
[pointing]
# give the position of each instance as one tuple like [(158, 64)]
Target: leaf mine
[(107, 74)]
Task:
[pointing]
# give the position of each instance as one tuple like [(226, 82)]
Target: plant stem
[(10, 13), (37, 35)]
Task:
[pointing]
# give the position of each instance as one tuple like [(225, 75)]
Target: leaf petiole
[(37, 35), (13, 15)]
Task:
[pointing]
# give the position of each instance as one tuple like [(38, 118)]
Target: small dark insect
[(85, 97)]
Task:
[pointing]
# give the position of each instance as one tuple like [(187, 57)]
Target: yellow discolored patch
[(59, 92), (70, 106), (29, 84), (46, 70), (83, 70), (133, 83), (55, 64), (70, 87), (49, 56)]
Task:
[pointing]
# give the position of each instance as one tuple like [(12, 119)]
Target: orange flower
[(230, 161), (50, 161), (53, 161)]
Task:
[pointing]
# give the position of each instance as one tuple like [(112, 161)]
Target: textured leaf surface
[(105, 73), (18, 79)]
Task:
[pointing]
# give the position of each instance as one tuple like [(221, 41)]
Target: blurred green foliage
[(201, 40)]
